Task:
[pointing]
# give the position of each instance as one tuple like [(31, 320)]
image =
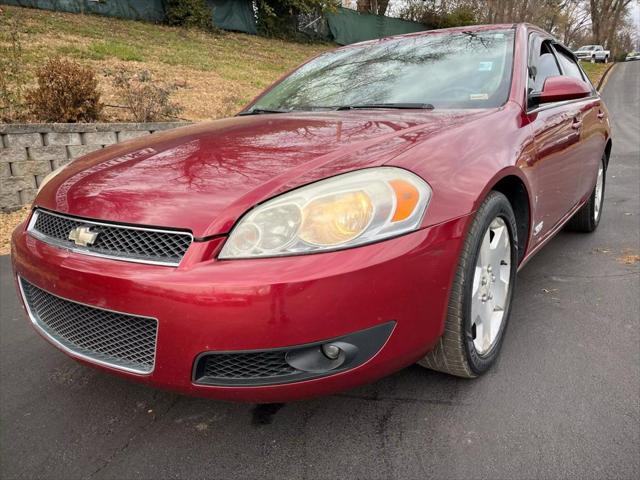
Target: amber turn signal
[(407, 197)]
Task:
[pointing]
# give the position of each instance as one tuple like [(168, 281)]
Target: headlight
[(341, 212), (50, 176)]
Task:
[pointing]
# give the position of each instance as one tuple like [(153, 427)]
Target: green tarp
[(227, 14), (149, 10), (348, 26), (234, 15)]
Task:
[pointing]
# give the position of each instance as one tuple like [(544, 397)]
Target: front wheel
[(587, 218), (606, 59), (480, 298), (593, 59)]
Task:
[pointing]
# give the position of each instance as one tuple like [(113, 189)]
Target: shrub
[(275, 19), (146, 100), (12, 70), (66, 92), (189, 13), (438, 15), (279, 18)]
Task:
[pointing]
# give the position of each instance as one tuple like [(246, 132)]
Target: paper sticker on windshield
[(485, 66), (479, 96)]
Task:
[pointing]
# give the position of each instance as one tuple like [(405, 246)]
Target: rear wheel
[(587, 218), (480, 299)]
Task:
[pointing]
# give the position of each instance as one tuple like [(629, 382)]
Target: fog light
[(331, 351)]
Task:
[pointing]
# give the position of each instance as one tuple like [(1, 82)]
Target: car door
[(590, 146), (556, 129)]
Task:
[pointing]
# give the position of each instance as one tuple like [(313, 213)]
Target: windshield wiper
[(260, 111), (406, 106)]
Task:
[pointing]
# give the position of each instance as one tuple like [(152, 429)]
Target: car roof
[(467, 28), (426, 33)]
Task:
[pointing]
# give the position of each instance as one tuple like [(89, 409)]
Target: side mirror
[(561, 88)]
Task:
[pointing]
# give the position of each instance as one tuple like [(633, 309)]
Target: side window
[(543, 64), (569, 66)]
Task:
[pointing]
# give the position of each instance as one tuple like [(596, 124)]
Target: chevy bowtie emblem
[(83, 236)]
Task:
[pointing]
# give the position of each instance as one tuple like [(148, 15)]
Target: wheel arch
[(515, 189), (607, 152)]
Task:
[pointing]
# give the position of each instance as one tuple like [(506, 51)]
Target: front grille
[(113, 241), (118, 340), (265, 364)]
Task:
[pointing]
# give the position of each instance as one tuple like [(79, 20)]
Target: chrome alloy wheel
[(490, 289), (598, 194)]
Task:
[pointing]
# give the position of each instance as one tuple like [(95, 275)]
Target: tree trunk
[(382, 7), (606, 16), (620, 9), (377, 7)]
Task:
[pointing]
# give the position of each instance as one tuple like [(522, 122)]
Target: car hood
[(203, 177)]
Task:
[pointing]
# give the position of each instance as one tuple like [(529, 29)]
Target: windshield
[(447, 70), (587, 47)]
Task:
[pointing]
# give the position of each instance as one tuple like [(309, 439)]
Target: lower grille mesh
[(249, 365), (288, 364), (116, 339)]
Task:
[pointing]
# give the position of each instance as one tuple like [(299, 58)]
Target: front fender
[(463, 164)]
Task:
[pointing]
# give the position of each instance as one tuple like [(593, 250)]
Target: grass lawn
[(595, 71), (221, 72)]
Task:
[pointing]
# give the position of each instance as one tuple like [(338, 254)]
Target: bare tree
[(607, 18), (574, 22), (377, 7)]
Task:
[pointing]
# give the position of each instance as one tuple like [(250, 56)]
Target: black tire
[(455, 352), (585, 220)]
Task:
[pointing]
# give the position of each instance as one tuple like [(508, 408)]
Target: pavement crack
[(131, 438), (563, 276), (594, 276), (382, 431), (307, 415), (406, 400)]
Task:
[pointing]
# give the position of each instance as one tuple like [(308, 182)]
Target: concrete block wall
[(28, 152)]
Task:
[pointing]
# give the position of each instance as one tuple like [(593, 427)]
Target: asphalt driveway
[(563, 400)]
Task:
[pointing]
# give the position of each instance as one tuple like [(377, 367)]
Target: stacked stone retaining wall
[(28, 152)]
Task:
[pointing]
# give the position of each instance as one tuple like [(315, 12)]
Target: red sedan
[(368, 211)]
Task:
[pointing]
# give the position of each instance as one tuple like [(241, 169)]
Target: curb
[(605, 77)]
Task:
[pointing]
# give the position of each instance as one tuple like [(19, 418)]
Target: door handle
[(577, 121)]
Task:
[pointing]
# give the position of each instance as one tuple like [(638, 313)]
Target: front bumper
[(207, 305), (584, 56)]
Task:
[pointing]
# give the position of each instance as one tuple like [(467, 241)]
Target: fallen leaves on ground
[(629, 257), (8, 222)]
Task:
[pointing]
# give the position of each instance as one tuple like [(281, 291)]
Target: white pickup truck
[(592, 53)]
